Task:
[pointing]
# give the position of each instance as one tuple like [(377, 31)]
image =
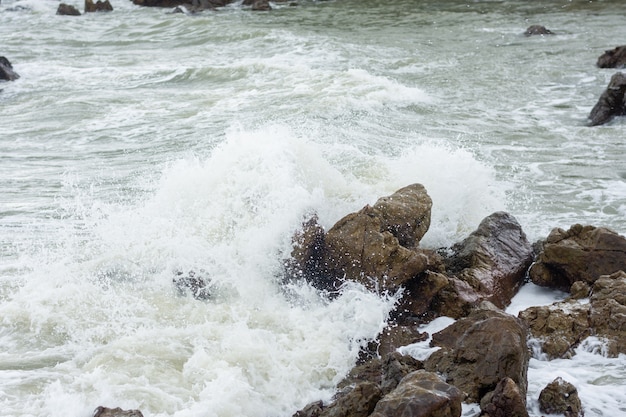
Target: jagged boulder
[(421, 394), (478, 351), (376, 246), (582, 253), (562, 326), (614, 58), (6, 70), (489, 265), (67, 10), (537, 30), (505, 401), (560, 397), (612, 101)]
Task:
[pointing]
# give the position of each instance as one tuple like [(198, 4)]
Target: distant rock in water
[(615, 58), (611, 103), (192, 5), (258, 5), (115, 412), (99, 6), (537, 30), (6, 70), (67, 10)]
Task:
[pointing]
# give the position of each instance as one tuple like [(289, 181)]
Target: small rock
[(537, 30), (560, 397), (615, 58), (67, 10), (115, 412)]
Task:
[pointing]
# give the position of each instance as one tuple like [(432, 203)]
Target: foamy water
[(139, 144)]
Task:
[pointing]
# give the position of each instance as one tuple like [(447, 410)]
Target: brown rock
[(99, 6), (359, 402), (67, 10), (614, 58), (612, 101), (560, 397), (479, 351), (394, 336), (505, 401), (489, 265), (608, 311), (420, 394), (582, 253)]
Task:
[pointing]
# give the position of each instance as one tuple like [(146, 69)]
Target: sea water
[(140, 144)]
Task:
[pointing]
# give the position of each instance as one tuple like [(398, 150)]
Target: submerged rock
[(99, 6), (611, 103), (195, 5), (193, 283), (560, 397), (614, 58), (537, 30)]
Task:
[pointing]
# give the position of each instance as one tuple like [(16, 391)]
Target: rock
[(394, 336), (313, 409), (562, 326), (560, 397), (67, 10), (611, 103), (261, 6), (505, 401), (115, 412), (359, 402), (367, 246), (582, 253), (193, 283), (489, 265), (615, 58), (420, 394), (99, 6), (480, 350), (559, 328), (537, 30), (6, 70)]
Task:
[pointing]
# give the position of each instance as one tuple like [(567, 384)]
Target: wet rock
[(505, 401), (537, 30), (489, 265), (99, 6), (421, 394), (368, 246), (192, 283), (6, 70), (313, 409), (67, 10), (611, 103), (358, 402), (562, 326), (560, 397), (395, 336), (559, 328), (614, 58), (115, 412), (582, 253), (193, 5), (480, 350)]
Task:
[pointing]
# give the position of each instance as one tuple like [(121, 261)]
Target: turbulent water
[(138, 144)]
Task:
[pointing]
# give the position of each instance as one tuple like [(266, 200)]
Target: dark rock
[(99, 6), (313, 409), (615, 58), (537, 30), (67, 10), (193, 5), (421, 394), (193, 283), (505, 401), (611, 103), (480, 350), (358, 402), (261, 6), (582, 253), (562, 326), (115, 412), (394, 336), (6, 70), (560, 397), (489, 265)]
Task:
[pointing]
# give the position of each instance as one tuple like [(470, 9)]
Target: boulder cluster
[(483, 356)]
